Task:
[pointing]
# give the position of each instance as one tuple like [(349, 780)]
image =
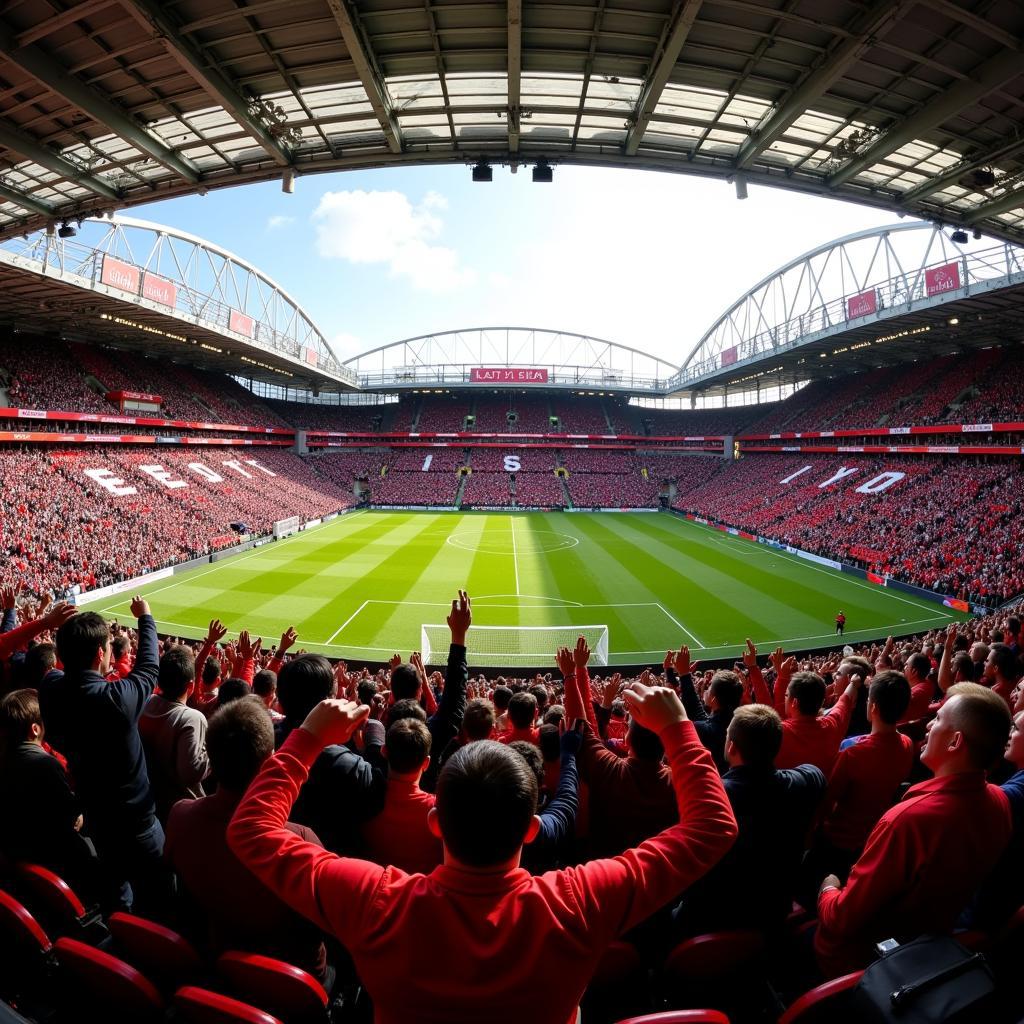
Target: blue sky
[(646, 259)]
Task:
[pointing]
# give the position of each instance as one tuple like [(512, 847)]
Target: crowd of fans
[(401, 488), (817, 803), (950, 525)]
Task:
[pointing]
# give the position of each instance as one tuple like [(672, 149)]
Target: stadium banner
[(138, 421), (43, 437), (508, 375), (729, 356), (117, 397), (938, 428), (862, 304), (119, 588), (954, 602), (241, 324), (830, 562), (118, 274), (853, 570), (942, 279), (873, 577), (159, 289), (310, 356)]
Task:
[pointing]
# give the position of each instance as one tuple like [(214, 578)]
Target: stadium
[(658, 682)]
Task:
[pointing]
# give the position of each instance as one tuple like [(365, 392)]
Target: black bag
[(932, 980)]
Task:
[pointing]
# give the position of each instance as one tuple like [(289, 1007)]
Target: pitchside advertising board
[(508, 375)]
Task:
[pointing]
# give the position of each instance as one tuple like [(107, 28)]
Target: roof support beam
[(1013, 200), (19, 142), (965, 166), (515, 71), (366, 68), (153, 17), (12, 195), (861, 36), (983, 79), (683, 17), (47, 71)]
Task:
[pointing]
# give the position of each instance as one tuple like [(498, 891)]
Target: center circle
[(499, 542)]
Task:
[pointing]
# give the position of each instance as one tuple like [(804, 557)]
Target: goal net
[(512, 646), (285, 527)]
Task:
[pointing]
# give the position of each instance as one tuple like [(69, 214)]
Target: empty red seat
[(160, 953), (680, 1017), (281, 989), (115, 989), (722, 970), (824, 1004), (57, 905), (26, 948), (200, 1006)]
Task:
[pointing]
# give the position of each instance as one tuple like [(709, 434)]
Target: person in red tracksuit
[(925, 857), (513, 946)]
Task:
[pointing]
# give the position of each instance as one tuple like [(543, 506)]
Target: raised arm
[(287, 641), (558, 818), (21, 635), (137, 687), (946, 664), (445, 725), (615, 894), (335, 893), (682, 668)]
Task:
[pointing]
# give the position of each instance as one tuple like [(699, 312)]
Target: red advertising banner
[(158, 289), (310, 356), (942, 279), (118, 274), (507, 375), (139, 421), (729, 356), (133, 396), (863, 304), (241, 324), (45, 437)]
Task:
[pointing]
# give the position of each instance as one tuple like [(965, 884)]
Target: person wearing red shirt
[(399, 834), (865, 780), (520, 946), (924, 858), (918, 670), (1001, 671), (522, 714)]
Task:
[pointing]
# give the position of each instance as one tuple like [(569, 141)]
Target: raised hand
[(139, 606), (460, 618), (59, 614), (564, 661), (681, 662), (288, 638), (247, 647), (9, 596), (750, 655), (952, 632), (581, 655), (216, 631), (334, 721), (394, 661), (611, 690), (653, 707)]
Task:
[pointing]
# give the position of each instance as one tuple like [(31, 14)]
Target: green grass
[(360, 586)]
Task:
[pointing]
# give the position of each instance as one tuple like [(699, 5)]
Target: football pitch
[(361, 586)]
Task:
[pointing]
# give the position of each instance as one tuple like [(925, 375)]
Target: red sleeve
[(19, 636), (582, 677), (617, 893), (275, 664), (247, 671), (920, 699), (204, 653), (762, 695), (838, 717), (429, 700), (335, 893), (574, 707)]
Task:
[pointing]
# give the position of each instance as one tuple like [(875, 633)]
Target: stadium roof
[(916, 106)]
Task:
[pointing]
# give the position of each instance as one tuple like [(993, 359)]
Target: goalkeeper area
[(373, 583)]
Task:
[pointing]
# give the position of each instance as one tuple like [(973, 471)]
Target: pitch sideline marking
[(344, 624), (796, 560), (680, 625)]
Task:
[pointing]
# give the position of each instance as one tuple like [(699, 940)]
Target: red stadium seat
[(720, 970), (279, 988), (680, 1017), (166, 958), (824, 1004), (26, 948), (619, 984), (57, 904), (116, 988), (200, 1006)]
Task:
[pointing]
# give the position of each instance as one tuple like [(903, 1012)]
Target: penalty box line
[(444, 604)]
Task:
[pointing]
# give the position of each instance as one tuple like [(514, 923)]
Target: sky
[(642, 258)]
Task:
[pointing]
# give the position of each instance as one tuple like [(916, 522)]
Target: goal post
[(512, 646), (286, 527)]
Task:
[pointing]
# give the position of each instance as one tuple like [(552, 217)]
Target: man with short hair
[(1001, 671), (524, 947), (522, 715), (264, 685), (398, 833), (918, 668), (94, 723), (231, 908), (501, 697), (924, 858), (174, 735), (753, 885), (710, 718)]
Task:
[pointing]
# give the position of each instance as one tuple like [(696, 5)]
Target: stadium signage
[(115, 485), (136, 421), (121, 275), (942, 279), (977, 428), (863, 304), (729, 356), (157, 289), (508, 375), (134, 396), (241, 324)]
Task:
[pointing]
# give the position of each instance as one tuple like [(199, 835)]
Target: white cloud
[(385, 227), (279, 221), (346, 345)]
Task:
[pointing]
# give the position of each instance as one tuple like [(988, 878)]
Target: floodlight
[(543, 172), (483, 171), (288, 181), (959, 237), (976, 234), (67, 230)]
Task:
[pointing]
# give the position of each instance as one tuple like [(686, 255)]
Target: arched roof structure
[(910, 105)]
